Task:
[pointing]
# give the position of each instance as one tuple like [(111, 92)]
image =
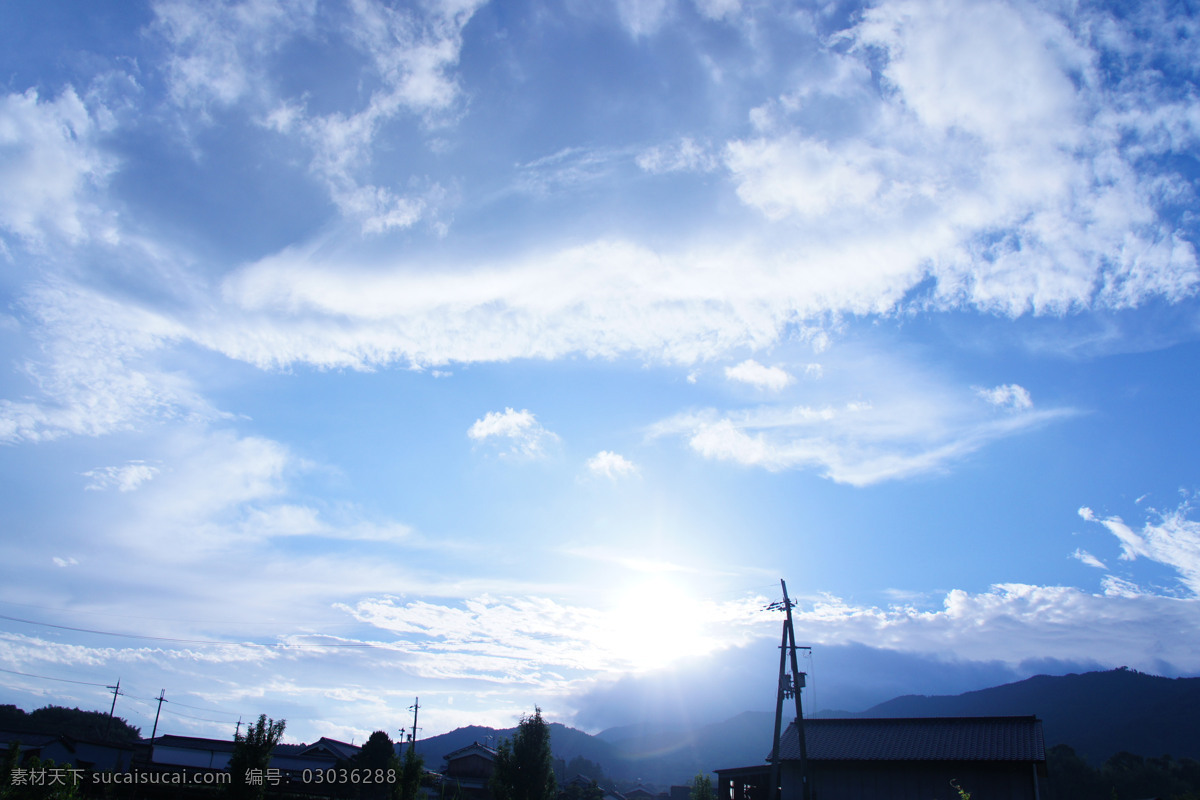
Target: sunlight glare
[(655, 623)]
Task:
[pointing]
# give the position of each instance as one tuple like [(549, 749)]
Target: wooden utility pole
[(789, 687), (415, 707), (161, 700), (116, 690)]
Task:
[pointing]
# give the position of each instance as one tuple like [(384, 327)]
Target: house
[(192, 752), (170, 752), (325, 753), (642, 793), (899, 759), (470, 769), (63, 749)]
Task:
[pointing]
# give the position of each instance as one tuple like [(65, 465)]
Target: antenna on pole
[(415, 707), (116, 690), (161, 700), (789, 687)]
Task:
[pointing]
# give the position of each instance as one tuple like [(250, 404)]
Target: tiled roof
[(482, 749), (193, 743), (338, 749), (918, 739)]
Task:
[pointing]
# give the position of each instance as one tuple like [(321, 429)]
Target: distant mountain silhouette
[(567, 743), (1097, 713)]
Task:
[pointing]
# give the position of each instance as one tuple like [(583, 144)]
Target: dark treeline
[(90, 725), (566, 770), (1124, 776)]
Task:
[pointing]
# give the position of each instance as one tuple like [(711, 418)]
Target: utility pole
[(116, 690), (237, 731), (789, 687), (161, 700), (415, 707)]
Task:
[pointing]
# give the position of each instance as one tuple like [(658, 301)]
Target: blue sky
[(506, 354)]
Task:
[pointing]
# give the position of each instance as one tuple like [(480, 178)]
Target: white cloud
[(1172, 539), (1089, 559), (124, 478), (225, 53), (1008, 186), (220, 51), (98, 372), (683, 156), (413, 50), (1015, 622), (857, 442), (755, 374), (718, 9), (1009, 395), (70, 561), (792, 175), (603, 299), (644, 17), (611, 465), (539, 640), (1119, 587), (49, 161), (524, 433)]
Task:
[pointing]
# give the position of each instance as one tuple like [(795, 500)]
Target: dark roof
[(193, 743), (474, 747), (27, 739), (918, 739), (337, 748)]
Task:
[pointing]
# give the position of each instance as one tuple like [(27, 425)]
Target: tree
[(701, 788), (74, 722), (585, 767), (252, 752), (524, 764), (12, 788), (578, 790), (377, 756), (410, 774)]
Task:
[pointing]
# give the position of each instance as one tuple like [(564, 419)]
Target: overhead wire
[(49, 678), (173, 640), (174, 619)]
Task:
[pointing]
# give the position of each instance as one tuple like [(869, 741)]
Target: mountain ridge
[(1097, 713)]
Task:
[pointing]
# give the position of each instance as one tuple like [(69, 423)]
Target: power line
[(184, 705), (280, 645), (47, 677), (177, 620), (200, 719), (198, 708)]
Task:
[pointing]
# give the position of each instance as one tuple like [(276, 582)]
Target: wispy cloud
[(520, 429), (52, 167), (611, 465), (856, 442), (529, 639), (1172, 539), (755, 374), (682, 156), (98, 371), (1038, 622), (125, 478), (1087, 558), (1010, 395), (226, 54), (644, 17)]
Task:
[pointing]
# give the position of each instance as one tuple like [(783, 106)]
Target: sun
[(654, 623)]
